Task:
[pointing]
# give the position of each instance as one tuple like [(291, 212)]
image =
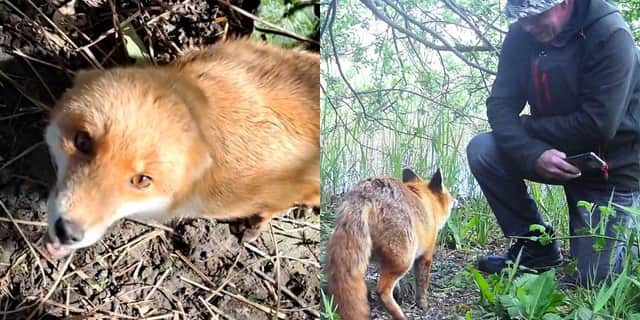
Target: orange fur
[(390, 221), (230, 131)]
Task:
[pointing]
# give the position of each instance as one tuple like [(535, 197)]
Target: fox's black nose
[(68, 231)]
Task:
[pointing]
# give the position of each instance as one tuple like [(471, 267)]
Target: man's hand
[(551, 165)]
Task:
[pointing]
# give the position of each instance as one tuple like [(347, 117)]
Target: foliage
[(134, 45), (294, 16), (329, 309), (533, 296), (631, 12), (529, 296)]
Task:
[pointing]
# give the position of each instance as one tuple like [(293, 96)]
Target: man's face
[(547, 25)]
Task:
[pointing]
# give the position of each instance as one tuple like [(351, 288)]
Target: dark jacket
[(583, 96)]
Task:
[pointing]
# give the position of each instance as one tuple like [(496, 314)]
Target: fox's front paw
[(250, 235), (245, 230), (237, 228)]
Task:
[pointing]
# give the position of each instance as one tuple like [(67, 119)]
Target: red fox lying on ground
[(232, 131), (394, 222)]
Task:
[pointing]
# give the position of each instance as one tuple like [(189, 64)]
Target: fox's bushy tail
[(348, 253)]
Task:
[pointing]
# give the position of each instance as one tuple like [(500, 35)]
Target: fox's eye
[(82, 142), (141, 181)]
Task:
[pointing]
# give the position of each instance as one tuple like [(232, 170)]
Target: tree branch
[(446, 45)]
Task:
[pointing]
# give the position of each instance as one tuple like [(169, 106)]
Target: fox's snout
[(67, 231), (63, 229)]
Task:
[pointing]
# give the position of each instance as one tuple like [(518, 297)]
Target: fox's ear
[(435, 183), (409, 176)]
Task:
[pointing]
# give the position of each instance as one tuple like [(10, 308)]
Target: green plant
[(619, 296), (529, 296), (329, 310), (534, 296), (133, 44), (293, 16)]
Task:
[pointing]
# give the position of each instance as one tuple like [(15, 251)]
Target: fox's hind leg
[(392, 271), (422, 273)]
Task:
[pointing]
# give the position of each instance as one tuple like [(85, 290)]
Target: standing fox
[(228, 132), (393, 222)]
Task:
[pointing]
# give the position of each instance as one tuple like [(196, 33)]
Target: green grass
[(328, 308)]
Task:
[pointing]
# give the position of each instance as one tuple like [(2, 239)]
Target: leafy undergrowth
[(513, 295)]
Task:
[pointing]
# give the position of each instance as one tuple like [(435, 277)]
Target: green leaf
[(634, 211), (455, 232), (539, 297), (329, 310), (584, 313), (603, 296), (545, 239), (598, 245), (634, 281), (633, 316), (482, 284), (537, 227), (551, 316), (293, 17), (607, 211), (134, 45), (586, 205), (619, 228), (513, 306)]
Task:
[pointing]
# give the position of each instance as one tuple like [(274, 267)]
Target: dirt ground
[(189, 268), (182, 269), (450, 295)]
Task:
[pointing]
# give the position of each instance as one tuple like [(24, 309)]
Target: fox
[(230, 131), (393, 222)]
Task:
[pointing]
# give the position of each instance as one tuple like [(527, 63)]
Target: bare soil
[(181, 269), (450, 293), (192, 268)]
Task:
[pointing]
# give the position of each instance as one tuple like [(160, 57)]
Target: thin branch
[(454, 7), (457, 50)]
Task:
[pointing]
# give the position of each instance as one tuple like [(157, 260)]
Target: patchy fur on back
[(392, 222), (230, 131)]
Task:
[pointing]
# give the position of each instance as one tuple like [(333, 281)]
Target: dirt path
[(450, 294)]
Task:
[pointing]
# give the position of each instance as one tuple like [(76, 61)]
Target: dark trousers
[(502, 183)]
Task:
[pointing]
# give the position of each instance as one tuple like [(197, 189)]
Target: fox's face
[(434, 194), (123, 146)]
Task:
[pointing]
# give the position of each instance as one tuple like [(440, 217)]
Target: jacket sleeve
[(606, 85), (506, 101)]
